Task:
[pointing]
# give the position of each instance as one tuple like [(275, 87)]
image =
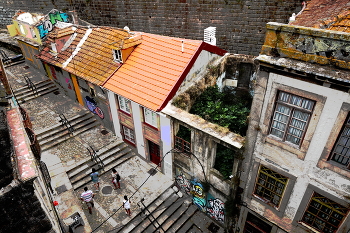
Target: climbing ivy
[(224, 108)]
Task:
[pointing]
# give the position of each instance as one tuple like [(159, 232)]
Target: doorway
[(154, 152)]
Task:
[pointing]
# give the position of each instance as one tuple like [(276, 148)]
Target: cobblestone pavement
[(43, 112)]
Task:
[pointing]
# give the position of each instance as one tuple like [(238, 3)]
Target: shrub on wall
[(224, 108)]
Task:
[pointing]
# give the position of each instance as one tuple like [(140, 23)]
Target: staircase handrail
[(31, 85), (94, 157), (66, 123)]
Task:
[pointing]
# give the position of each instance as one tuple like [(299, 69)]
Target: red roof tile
[(322, 13), (94, 60), (155, 69)]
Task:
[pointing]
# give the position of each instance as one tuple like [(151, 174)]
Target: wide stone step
[(165, 212), (147, 225), (142, 215), (188, 224), (26, 89), (42, 88), (79, 172), (83, 177), (180, 222), (108, 150), (65, 135), (59, 129), (42, 133), (174, 212)]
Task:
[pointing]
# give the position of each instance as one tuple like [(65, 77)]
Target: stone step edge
[(87, 179), (111, 145), (81, 168), (84, 129), (42, 131)]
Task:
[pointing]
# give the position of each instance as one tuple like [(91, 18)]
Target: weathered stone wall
[(240, 24)]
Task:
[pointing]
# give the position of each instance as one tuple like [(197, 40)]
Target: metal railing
[(182, 146), (95, 158), (66, 123), (31, 85)]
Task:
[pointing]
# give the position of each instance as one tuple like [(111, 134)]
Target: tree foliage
[(224, 160), (228, 108)]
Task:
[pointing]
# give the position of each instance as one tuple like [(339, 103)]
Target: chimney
[(209, 35)]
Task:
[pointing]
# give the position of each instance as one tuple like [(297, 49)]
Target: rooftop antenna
[(182, 45)]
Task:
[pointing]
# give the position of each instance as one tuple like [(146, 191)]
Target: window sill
[(266, 202), (304, 225), (126, 113), (129, 142), (150, 126)]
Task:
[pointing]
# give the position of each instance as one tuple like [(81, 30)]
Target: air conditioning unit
[(209, 35), (230, 82)]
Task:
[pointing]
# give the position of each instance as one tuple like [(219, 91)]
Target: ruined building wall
[(240, 24)]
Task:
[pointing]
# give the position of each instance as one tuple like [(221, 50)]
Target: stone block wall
[(240, 24)]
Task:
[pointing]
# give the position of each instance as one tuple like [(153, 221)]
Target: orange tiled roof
[(155, 69), (322, 13), (89, 56)]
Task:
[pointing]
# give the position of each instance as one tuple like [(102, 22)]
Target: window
[(341, 150), (117, 55), (270, 186), (255, 225), (128, 134), (323, 214), (291, 116), (183, 139), (124, 104), (151, 117)]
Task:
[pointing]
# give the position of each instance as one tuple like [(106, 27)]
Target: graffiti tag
[(51, 19), (92, 106), (183, 183), (198, 195), (216, 209)]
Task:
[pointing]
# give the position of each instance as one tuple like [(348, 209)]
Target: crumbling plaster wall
[(299, 163), (312, 45)]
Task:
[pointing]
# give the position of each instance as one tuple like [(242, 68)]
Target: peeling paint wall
[(307, 167)]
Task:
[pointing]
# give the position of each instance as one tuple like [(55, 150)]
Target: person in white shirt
[(87, 196), (126, 205)]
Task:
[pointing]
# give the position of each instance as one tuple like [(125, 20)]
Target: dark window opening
[(183, 139), (224, 160), (256, 225), (323, 214), (270, 186), (341, 150)]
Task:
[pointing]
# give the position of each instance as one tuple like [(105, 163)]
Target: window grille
[(341, 150), (323, 214), (270, 186)]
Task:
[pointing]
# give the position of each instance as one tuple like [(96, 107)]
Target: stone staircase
[(25, 93), (171, 212), (56, 134), (111, 155)]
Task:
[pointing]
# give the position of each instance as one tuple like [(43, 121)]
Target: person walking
[(95, 179), (115, 179), (87, 196), (126, 205)]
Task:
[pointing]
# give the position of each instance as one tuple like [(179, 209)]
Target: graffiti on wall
[(47, 25), (92, 106), (183, 183), (215, 208), (206, 202), (198, 195)]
